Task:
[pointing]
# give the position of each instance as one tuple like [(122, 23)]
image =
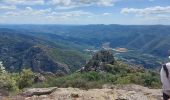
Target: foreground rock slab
[(38, 91), (127, 92)]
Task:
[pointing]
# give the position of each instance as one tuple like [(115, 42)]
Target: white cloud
[(66, 7), (146, 11), (156, 13), (106, 2), (66, 4), (60, 4), (107, 14), (23, 2), (4, 7), (33, 15), (11, 14), (71, 14), (29, 8), (28, 12)]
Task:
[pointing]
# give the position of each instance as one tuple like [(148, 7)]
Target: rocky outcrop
[(126, 92), (103, 61), (100, 59)]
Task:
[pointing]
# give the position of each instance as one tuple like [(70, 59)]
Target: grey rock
[(39, 78), (38, 91)]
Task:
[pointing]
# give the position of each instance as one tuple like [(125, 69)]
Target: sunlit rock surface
[(126, 92)]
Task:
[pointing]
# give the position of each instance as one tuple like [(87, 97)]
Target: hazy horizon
[(88, 24)]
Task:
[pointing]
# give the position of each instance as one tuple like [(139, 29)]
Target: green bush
[(25, 79), (89, 80), (8, 82)]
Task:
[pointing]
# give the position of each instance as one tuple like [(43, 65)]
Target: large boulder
[(39, 78), (38, 91)]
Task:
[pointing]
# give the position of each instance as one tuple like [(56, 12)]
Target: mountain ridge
[(19, 50), (146, 43)]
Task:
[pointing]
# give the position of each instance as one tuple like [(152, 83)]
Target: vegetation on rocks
[(93, 79), (104, 69)]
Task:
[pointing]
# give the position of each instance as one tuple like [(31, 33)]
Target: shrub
[(26, 78), (8, 82)]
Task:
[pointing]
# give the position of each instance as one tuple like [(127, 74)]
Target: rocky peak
[(100, 59), (104, 56)]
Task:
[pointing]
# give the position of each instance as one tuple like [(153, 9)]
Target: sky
[(125, 12)]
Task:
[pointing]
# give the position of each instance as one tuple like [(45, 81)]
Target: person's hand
[(168, 99)]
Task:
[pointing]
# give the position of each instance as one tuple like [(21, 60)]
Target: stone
[(38, 91), (74, 95), (39, 78)]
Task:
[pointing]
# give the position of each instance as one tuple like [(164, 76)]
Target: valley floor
[(126, 92)]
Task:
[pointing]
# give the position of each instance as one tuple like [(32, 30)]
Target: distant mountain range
[(66, 43)]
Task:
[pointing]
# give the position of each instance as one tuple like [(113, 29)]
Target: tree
[(26, 78)]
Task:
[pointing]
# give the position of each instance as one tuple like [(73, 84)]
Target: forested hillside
[(20, 51), (147, 45)]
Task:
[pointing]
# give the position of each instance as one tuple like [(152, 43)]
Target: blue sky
[(128, 12)]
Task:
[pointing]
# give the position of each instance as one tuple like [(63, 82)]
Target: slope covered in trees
[(19, 51), (146, 43)]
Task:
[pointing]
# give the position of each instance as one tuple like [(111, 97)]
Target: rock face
[(99, 60), (126, 92)]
